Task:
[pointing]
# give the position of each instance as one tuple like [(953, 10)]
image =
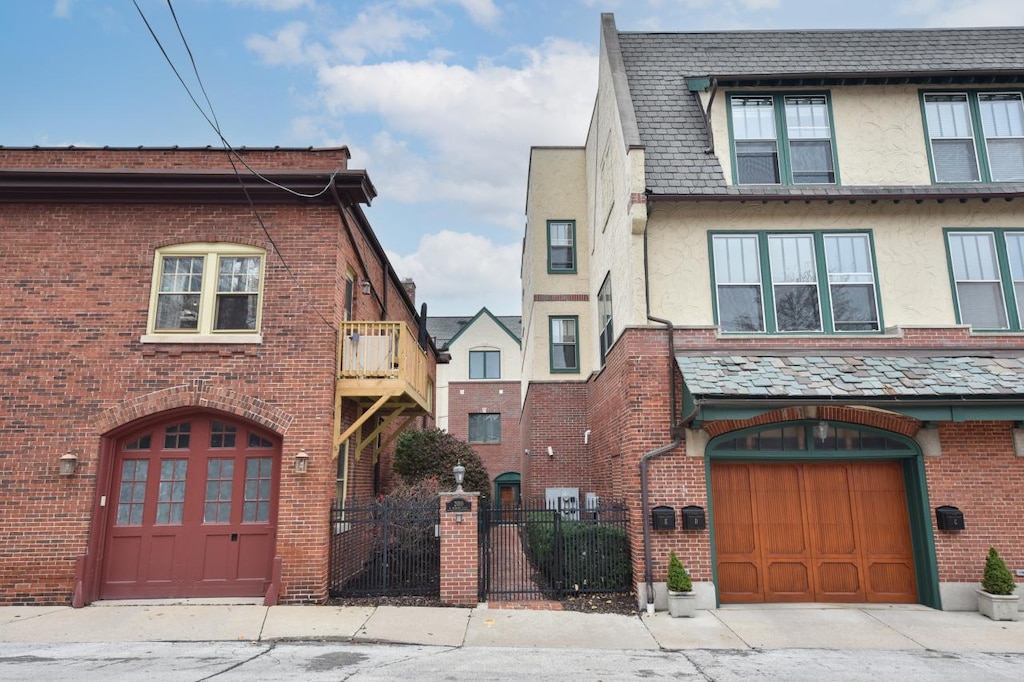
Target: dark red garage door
[(192, 511)]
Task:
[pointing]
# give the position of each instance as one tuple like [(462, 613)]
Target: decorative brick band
[(197, 394), (561, 297), (888, 421)]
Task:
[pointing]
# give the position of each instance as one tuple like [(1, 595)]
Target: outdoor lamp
[(68, 464), (460, 475), (301, 462)]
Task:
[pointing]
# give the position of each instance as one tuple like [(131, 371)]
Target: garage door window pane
[(219, 475), (171, 496), (256, 508), (131, 498)]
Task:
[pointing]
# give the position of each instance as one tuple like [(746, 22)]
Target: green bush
[(678, 578), (431, 453), (594, 557), (997, 578)]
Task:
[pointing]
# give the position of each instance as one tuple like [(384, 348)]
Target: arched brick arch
[(196, 394), (863, 416)]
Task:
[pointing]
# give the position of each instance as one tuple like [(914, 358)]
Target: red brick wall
[(502, 397), (555, 414), (626, 407), (979, 473), (149, 158), (76, 282), (459, 552)]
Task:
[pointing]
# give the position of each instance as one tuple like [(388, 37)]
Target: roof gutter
[(833, 194)]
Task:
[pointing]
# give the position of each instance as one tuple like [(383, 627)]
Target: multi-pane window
[(561, 246), (219, 478), (975, 136), (565, 355), (782, 139), (604, 316), (485, 428), (256, 505), (131, 498), (795, 282), (484, 364), (206, 289), (171, 492), (988, 275)]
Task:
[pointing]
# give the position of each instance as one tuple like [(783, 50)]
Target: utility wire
[(212, 124), (231, 153)]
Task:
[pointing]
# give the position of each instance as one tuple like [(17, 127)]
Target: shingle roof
[(670, 123), (444, 329), (846, 376)]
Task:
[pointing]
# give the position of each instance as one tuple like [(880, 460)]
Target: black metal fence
[(535, 552), (385, 547)]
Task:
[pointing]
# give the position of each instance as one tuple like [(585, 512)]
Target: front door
[(192, 511)]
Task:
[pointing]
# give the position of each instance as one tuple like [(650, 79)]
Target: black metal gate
[(385, 548), (539, 553)]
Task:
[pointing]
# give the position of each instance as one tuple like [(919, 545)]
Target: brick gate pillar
[(459, 551)]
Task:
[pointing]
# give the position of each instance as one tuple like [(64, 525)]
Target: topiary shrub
[(997, 578), (678, 578)]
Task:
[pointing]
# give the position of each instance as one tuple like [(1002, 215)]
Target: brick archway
[(861, 416), (199, 394)]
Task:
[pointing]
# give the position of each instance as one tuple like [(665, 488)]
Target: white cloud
[(276, 5), (463, 134), (62, 9), (483, 12), (953, 14), (287, 47), (460, 273), (377, 30)]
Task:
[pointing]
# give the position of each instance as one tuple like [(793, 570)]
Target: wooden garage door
[(812, 532), (192, 511)]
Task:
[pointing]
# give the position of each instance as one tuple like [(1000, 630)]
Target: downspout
[(657, 452)]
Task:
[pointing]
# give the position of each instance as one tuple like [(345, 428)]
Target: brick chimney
[(410, 288)]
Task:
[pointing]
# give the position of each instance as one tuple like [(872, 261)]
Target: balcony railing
[(381, 358)]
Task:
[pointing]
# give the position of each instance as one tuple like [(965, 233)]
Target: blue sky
[(440, 100)]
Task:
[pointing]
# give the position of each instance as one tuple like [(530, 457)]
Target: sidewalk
[(884, 627)]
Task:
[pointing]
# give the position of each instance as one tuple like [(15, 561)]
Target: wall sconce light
[(460, 475), (68, 464), (551, 452), (821, 431), (301, 462), (365, 284)]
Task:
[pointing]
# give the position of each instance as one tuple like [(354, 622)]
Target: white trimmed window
[(206, 293), (988, 274), (975, 136)]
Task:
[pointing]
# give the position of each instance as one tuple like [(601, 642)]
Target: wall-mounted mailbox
[(694, 518), (663, 518), (949, 518)]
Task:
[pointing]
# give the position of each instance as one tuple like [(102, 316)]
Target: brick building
[(782, 283), (478, 398), (185, 350)]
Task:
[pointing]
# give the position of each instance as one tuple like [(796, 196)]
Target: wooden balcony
[(382, 367)]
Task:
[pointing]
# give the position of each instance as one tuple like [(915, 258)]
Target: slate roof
[(671, 126), (846, 376), (443, 329)]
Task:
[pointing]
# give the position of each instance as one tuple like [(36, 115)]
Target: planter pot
[(682, 604), (998, 606)]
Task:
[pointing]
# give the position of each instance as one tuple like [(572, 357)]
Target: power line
[(231, 153)]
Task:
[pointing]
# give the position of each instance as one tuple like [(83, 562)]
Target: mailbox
[(949, 518), (694, 518), (663, 518)]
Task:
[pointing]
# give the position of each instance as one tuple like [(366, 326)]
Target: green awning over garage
[(929, 388)]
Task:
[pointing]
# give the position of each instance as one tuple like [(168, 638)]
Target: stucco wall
[(908, 241)]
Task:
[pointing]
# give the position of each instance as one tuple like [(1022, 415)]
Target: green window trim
[(1007, 265), (561, 247), (484, 364), (973, 130), (783, 123), (564, 366), (772, 291)]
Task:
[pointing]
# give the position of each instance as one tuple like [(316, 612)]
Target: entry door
[(508, 498), (812, 531), (192, 511)]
